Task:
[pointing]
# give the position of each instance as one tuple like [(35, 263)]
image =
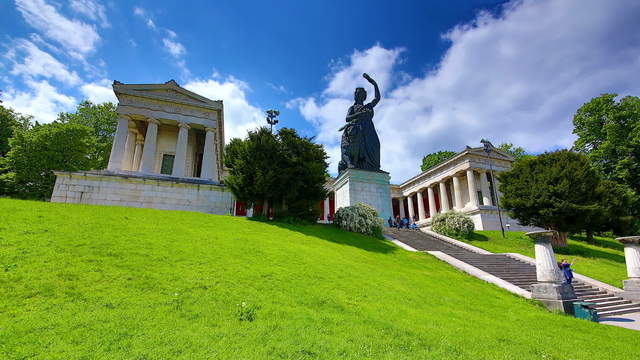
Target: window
[(167, 164)]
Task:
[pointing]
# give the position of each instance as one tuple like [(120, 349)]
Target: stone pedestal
[(556, 297), (550, 290), (632, 258), (370, 187)]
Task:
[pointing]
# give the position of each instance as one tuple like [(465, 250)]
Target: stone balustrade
[(632, 258), (550, 289)]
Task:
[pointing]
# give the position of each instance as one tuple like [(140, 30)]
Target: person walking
[(390, 221), (567, 271)]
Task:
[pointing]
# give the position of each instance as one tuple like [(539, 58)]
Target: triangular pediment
[(169, 91), (495, 153)]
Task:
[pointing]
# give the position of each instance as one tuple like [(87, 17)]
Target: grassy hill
[(602, 259), (92, 282)]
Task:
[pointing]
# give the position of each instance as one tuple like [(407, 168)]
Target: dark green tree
[(554, 191), (433, 159), (284, 169), (304, 168), (615, 210), (103, 120), (37, 152), (609, 134)]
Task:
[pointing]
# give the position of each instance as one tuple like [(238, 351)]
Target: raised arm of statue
[(376, 99)]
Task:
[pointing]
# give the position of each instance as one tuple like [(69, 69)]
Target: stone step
[(610, 299), (605, 314), (595, 297), (618, 307)]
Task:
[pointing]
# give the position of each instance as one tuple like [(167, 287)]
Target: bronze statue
[(360, 145)]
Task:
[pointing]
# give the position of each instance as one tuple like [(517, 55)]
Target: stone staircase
[(516, 272)]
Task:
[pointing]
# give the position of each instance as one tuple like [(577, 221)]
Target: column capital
[(184, 125), (152, 120), (139, 138), (209, 129), (629, 240)]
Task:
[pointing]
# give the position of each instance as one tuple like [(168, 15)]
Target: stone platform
[(353, 186), (137, 189)]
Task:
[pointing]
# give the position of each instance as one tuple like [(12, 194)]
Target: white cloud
[(142, 13), (77, 37), (174, 48), (99, 92), (43, 101), (239, 115), (34, 63), (514, 77), (91, 9)]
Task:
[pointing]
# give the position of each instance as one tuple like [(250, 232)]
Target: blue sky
[(451, 72)]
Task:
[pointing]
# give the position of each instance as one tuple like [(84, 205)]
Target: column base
[(556, 297), (631, 289)]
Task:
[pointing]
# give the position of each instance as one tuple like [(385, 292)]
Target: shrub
[(453, 224), (360, 218)]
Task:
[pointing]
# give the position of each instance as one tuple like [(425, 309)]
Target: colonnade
[(443, 187), (133, 151)]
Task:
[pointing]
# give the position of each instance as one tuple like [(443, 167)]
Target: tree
[(10, 121), (303, 174), (518, 152), (37, 152), (433, 159), (614, 213), (609, 134), (555, 191), (284, 169), (103, 120)]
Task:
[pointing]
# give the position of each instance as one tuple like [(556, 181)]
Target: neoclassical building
[(166, 154), (462, 183)]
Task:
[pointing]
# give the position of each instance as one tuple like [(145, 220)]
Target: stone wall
[(134, 190), (369, 187)]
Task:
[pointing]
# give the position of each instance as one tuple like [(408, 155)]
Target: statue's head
[(360, 95)]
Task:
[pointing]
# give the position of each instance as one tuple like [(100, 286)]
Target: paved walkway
[(629, 321)]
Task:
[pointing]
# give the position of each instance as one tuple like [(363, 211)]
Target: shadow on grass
[(581, 250), (599, 242), (338, 236), (475, 236)]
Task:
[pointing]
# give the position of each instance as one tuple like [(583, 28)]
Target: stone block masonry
[(146, 191), (370, 187)]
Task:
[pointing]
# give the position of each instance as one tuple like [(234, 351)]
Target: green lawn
[(92, 282), (603, 259)]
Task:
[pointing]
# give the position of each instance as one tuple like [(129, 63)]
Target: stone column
[(457, 193), (420, 206), (209, 156), (550, 288), (401, 200), (444, 199), (484, 187), (632, 258), (149, 151), (180, 161), (326, 210), (137, 154), (471, 183), (432, 201), (119, 144), (410, 205), (127, 159)]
